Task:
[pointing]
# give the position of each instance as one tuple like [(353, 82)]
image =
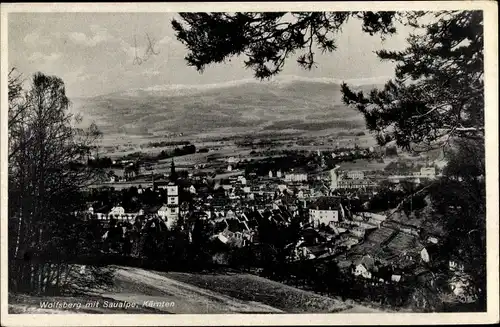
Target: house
[(395, 278), (296, 177), (117, 211), (424, 255), (325, 210), (356, 174), (361, 270), (302, 251), (355, 183), (364, 267)]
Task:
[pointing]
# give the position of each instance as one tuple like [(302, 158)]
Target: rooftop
[(326, 203)]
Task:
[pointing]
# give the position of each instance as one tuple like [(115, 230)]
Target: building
[(428, 172), (361, 270), (326, 210), (334, 178), (355, 183), (356, 174), (296, 178), (171, 210)]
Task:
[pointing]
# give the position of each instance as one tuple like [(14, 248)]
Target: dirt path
[(168, 295), (142, 291)]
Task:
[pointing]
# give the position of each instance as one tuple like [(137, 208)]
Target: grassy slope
[(192, 293), (253, 288)]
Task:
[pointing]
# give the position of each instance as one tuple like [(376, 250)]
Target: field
[(131, 118), (191, 293), (256, 289)]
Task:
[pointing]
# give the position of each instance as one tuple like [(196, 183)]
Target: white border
[(491, 125)]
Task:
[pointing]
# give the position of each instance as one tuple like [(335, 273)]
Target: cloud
[(44, 58), (78, 75), (99, 35), (35, 39)]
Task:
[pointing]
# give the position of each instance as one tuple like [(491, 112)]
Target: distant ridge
[(287, 103), (277, 82)]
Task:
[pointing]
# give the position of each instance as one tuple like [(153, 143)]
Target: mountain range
[(238, 107)]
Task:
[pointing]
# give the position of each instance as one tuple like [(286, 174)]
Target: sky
[(94, 53)]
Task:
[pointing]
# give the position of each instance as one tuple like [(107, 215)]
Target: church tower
[(172, 214)]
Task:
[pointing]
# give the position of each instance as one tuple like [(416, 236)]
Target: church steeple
[(173, 173)]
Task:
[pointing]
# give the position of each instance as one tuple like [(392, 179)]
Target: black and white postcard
[(251, 163)]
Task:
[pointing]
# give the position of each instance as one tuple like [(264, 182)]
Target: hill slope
[(145, 291), (228, 108)]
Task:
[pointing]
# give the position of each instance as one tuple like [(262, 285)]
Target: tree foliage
[(438, 89), (268, 39), (438, 92), (44, 186), (462, 211)]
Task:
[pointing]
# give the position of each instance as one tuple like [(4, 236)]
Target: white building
[(356, 174), (242, 180), (362, 271), (171, 212), (355, 183), (192, 189), (296, 178), (325, 211), (117, 211), (278, 174), (428, 172), (334, 178)]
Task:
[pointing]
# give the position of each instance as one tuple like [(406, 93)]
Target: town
[(183, 162), (348, 217)]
